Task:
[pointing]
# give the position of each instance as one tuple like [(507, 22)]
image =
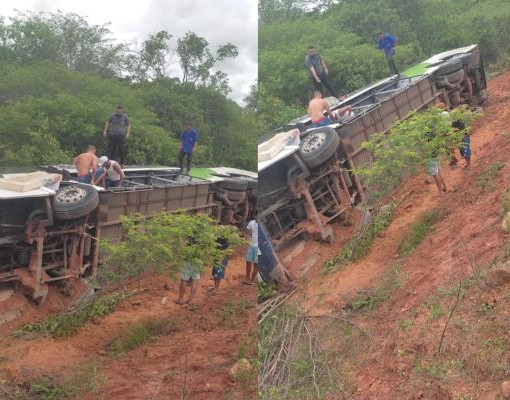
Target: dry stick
[(449, 317), (313, 361), (471, 263), (183, 378), (282, 299), (339, 319), (7, 393)]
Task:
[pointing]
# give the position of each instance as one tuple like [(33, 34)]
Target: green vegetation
[(486, 179), (140, 334), (360, 245), (88, 379), (64, 325), (391, 281), (418, 231), (411, 144), (267, 290), (231, 314), (345, 34), (163, 244), (61, 78)]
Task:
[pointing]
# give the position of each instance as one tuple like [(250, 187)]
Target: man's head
[(119, 110), (188, 125), (91, 149), (317, 94), (380, 35), (312, 51), (103, 162)]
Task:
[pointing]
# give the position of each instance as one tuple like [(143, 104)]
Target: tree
[(197, 61), (151, 62)]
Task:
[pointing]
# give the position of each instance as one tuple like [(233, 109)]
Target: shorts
[(190, 271), (218, 271), (88, 178), (465, 152), (433, 167), (253, 254), (322, 122), (109, 183)]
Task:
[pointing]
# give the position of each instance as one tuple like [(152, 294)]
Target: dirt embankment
[(196, 356), (399, 360)]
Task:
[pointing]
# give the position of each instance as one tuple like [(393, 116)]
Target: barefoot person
[(189, 277), (253, 253), (316, 109), (86, 166)]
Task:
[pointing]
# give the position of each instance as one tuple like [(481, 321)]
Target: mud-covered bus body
[(51, 236), (302, 189)]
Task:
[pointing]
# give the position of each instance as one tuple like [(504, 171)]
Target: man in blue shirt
[(387, 44), (188, 139)]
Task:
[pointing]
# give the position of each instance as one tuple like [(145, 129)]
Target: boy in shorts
[(253, 253), (465, 148), (189, 277), (218, 269)]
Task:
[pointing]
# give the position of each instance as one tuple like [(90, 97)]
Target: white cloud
[(219, 21)]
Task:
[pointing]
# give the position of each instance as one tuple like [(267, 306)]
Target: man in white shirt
[(253, 253), (112, 174)]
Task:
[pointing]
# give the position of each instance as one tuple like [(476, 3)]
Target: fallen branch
[(339, 319), (449, 317), (266, 308)]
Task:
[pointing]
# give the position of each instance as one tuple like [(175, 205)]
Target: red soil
[(201, 349), (470, 226)]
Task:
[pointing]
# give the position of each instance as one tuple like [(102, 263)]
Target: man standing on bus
[(387, 44), (188, 138)]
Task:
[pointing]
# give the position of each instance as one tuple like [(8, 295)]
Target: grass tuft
[(64, 325), (360, 245), (419, 231)]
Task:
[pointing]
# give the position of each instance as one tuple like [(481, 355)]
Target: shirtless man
[(316, 109), (86, 166)]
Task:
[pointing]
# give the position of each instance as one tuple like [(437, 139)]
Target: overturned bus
[(52, 232), (304, 188)]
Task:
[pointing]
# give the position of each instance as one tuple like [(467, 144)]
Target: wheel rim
[(71, 194), (313, 141)]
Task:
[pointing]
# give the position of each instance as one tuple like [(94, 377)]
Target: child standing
[(465, 147), (218, 269)]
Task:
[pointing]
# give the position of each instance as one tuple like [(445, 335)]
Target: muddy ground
[(192, 360), (402, 302)]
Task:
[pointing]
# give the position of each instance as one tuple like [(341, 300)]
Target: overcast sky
[(218, 21)]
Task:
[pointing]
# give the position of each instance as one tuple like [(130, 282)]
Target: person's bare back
[(85, 162), (317, 106)]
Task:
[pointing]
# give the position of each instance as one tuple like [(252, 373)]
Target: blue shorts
[(323, 122), (218, 271), (465, 152), (88, 178), (108, 183), (252, 255), (190, 271)]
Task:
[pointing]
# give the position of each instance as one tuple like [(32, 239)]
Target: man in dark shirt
[(387, 44), (119, 128), (188, 139), (318, 71)]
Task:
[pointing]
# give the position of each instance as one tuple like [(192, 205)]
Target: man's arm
[(118, 169), (314, 73), (94, 170), (106, 126), (328, 110), (324, 67)]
